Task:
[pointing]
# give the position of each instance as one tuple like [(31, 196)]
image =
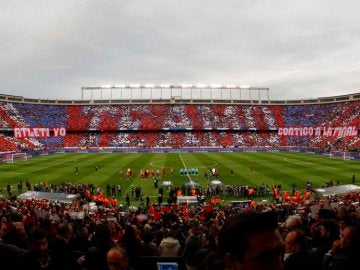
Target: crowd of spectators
[(173, 125), (42, 234), (180, 139)]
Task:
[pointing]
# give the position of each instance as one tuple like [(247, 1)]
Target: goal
[(11, 158), (344, 155)]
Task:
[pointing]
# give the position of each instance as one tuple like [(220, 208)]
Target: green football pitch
[(287, 169)]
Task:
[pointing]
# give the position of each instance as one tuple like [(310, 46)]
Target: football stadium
[(193, 153), (179, 135)]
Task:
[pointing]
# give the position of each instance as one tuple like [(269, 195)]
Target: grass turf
[(269, 168)]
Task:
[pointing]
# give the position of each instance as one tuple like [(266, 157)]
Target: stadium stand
[(175, 125)]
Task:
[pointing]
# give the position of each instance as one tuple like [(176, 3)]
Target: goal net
[(11, 158), (344, 155)]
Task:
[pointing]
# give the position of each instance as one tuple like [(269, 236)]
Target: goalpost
[(11, 158), (347, 156)]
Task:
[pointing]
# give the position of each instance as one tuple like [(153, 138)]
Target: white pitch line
[(14, 172), (309, 163), (187, 174), (49, 166)]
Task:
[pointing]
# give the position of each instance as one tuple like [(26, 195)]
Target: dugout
[(337, 190), (50, 196)]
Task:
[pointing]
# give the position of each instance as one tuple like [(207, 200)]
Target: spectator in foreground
[(60, 248), (252, 240), (297, 255), (170, 246), (37, 256), (95, 257), (148, 246), (193, 244), (344, 253), (329, 232), (117, 259), (131, 243), (9, 255)]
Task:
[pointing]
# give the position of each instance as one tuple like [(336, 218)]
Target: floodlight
[(149, 85), (245, 86), (201, 85), (106, 86)]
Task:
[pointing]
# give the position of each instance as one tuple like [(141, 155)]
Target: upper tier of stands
[(177, 117)]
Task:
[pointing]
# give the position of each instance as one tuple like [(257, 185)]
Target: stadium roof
[(102, 100)]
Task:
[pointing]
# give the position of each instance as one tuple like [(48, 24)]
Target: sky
[(298, 49)]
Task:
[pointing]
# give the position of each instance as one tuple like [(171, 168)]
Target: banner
[(346, 131), (38, 132)]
